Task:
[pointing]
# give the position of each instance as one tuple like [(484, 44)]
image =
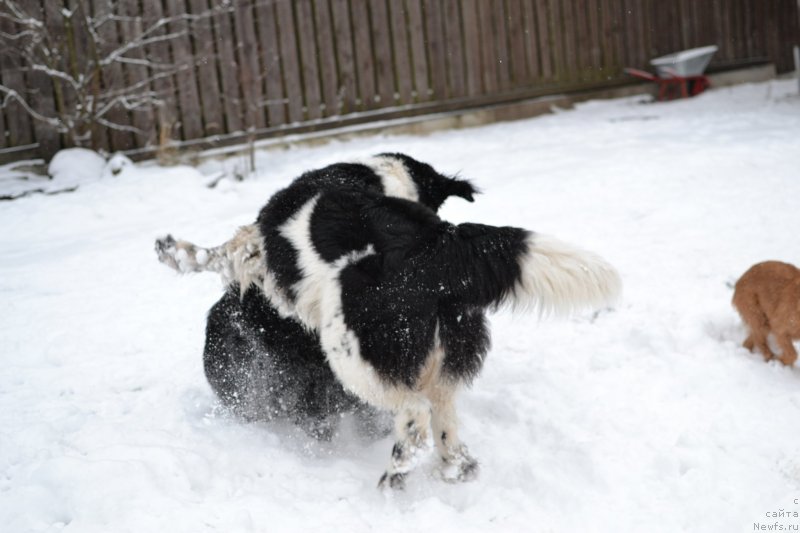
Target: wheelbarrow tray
[(692, 62)]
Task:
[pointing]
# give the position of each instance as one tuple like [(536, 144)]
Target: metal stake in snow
[(797, 65)]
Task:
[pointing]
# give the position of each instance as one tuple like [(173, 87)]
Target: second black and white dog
[(398, 296)]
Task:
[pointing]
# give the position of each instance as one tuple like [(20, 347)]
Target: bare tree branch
[(12, 95), (92, 91)]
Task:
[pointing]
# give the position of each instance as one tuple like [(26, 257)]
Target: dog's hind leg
[(239, 260), (411, 431), (788, 353), (756, 322), (457, 463), (185, 257)]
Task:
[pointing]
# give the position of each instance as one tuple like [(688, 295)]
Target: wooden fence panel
[(272, 66)]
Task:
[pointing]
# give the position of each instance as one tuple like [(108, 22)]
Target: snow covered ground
[(650, 417)]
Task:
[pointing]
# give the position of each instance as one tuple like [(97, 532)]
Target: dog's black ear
[(463, 189)]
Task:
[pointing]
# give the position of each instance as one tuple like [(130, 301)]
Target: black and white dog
[(398, 296), (258, 358)]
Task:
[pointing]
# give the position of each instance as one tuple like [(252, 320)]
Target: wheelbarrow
[(679, 75)]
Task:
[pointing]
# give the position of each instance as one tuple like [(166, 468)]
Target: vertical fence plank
[(83, 22), (579, 30), (271, 63), (488, 46), (747, 29), (558, 46), (40, 85), (345, 56), (206, 64), (402, 52), (4, 143), (598, 37), (472, 47), (19, 131), (158, 54), (106, 31), (363, 48), (416, 33), (608, 15), (326, 48), (434, 38), (544, 39), (227, 66), (290, 60), (529, 30), (454, 49), (308, 59), (382, 52), (184, 80), (518, 66), (137, 74), (246, 47), (500, 16)]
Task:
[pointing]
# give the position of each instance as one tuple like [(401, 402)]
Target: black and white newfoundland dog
[(391, 297)]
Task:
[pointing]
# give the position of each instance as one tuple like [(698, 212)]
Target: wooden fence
[(257, 68)]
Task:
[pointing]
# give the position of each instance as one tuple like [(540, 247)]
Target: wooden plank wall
[(266, 67)]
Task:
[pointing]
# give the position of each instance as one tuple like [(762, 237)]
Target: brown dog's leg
[(788, 353), (759, 340)]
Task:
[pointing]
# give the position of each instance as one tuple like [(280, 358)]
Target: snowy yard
[(650, 417)]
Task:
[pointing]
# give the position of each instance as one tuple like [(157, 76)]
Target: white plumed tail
[(558, 278)]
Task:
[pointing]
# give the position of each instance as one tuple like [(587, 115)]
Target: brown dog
[(768, 298)]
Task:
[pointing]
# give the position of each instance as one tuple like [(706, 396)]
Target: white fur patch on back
[(313, 269), (394, 176), (559, 278)]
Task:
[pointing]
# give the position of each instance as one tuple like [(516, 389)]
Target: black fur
[(265, 367), (433, 189), (426, 273)]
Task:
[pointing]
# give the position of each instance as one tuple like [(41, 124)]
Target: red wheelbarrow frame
[(673, 86)]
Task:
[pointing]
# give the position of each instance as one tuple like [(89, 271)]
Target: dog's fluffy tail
[(558, 278), (491, 266)]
